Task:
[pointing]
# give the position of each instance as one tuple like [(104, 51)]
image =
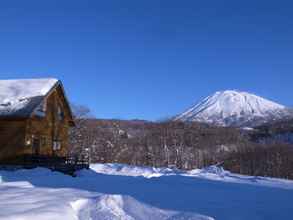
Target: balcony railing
[(66, 165)]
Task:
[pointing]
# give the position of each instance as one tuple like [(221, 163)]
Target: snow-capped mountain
[(234, 108)]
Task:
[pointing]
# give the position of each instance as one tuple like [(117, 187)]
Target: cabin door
[(36, 146)]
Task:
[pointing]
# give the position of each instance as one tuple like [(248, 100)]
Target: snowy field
[(115, 191)]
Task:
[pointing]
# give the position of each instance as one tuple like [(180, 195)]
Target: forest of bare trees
[(180, 145)]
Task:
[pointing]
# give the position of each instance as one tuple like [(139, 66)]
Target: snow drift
[(123, 192)]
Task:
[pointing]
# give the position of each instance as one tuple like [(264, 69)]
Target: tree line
[(177, 144)]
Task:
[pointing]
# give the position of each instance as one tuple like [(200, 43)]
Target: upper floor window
[(60, 114), (43, 141)]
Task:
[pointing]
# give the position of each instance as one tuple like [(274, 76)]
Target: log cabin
[(35, 118)]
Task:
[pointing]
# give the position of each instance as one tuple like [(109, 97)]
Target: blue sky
[(150, 59)]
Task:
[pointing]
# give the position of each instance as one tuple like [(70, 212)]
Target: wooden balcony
[(67, 165)]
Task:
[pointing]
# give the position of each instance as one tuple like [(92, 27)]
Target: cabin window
[(44, 141), (60, 114), (56, 145)]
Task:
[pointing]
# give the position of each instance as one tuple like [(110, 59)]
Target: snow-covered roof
[(18, 98)]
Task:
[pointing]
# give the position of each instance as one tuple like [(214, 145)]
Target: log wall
[(12, 136)]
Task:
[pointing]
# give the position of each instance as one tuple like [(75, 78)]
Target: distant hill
[(235, 108)]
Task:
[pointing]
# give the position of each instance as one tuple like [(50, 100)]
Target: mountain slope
[(234, 108)]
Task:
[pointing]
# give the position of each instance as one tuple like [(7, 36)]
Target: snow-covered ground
[(115, 191)]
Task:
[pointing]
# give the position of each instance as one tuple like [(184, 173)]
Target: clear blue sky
[(150, 59)]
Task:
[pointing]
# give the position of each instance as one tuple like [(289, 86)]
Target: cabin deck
[(67, 165)]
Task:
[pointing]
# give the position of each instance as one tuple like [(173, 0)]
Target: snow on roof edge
[(18, 97)]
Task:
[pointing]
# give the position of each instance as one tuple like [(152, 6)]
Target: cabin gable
[(48, 127)]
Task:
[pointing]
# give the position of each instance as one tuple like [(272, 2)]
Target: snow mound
[(128, 170), (215, 170), (118, 207), (234, 108)]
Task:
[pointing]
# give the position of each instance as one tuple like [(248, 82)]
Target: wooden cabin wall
[(16, 135), (12, 139), (50, 128)]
